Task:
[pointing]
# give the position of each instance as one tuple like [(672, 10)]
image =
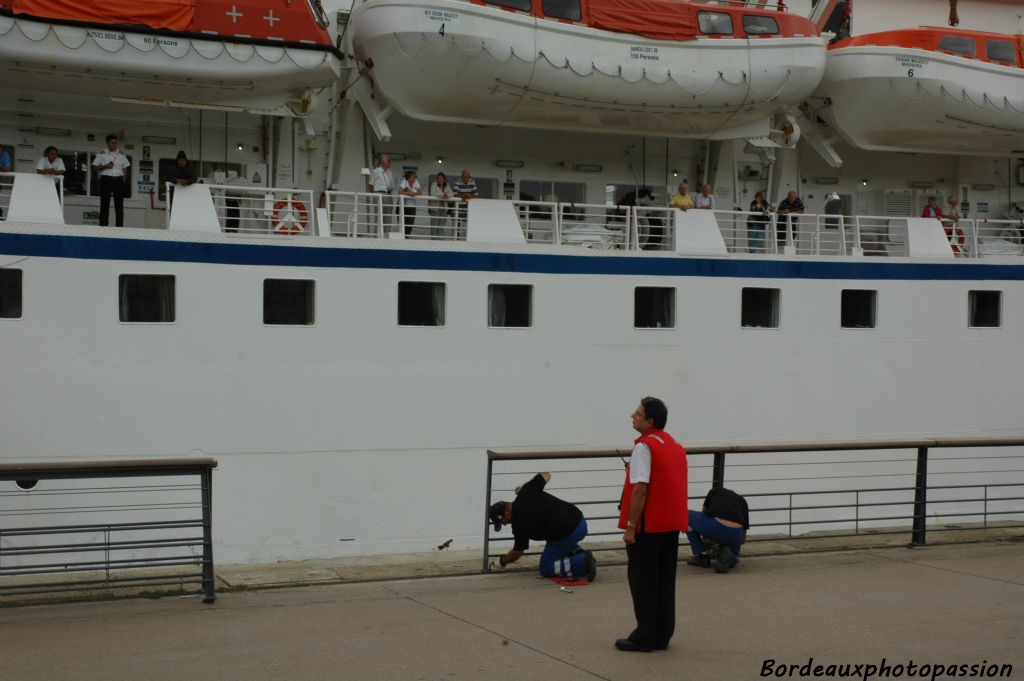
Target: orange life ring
[(289, 216), (957, 239)]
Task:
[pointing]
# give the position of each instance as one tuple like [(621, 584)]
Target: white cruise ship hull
[(358, 436)]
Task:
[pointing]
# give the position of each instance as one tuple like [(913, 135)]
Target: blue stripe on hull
[(100, 248)]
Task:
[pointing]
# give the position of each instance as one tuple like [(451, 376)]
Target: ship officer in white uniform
[(113, 167), (382, 181)]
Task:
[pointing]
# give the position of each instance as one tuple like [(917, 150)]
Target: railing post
[(718, 471), (920, 498), (206, 482), (974, 239), (842, 235), (487, 521)]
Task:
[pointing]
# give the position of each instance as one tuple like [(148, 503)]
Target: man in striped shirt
[(465, 189)]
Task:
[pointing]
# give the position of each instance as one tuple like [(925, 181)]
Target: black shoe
[(700, 560), (661, 647), (591, 565), (724, 560), (628, 645)]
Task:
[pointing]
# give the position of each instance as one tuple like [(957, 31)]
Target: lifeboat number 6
[(289, 216)]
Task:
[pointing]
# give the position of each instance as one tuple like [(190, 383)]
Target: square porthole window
[(760, 308), (421, 303), (509, 305), (289, 302), (10, 294), (146, 298), (985, 309), (858, 309), (654, 307)]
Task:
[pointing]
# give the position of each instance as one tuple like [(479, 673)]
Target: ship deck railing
[(653, 228), (803, 491), (242, 209)]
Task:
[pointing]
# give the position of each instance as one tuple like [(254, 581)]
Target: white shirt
[(701, 201), (414, 188), (119, 160), (44, 164), (640, 464), (382, 180)]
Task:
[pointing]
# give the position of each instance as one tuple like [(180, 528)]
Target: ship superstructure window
[(146, 298), (562, 9), (958, 44), (714, 23), (760, 25), (760, 308), (10, 293), (1001, 50), (421, 303), (654, 307), (549, 190), (509, 305), (522, 5), (289, 302), (858, 309), (985, 309)]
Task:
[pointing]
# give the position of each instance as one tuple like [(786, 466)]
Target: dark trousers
[(111, 187), (652, 583), (233, 214)]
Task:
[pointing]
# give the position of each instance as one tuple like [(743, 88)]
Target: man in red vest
[(653, 513)]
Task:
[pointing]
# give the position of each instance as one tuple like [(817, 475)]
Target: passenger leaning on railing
[(5, 167), (791, 205), (383, 182), (681, 199), (757, 223), (439, 205), (705, 200), (410, 189)]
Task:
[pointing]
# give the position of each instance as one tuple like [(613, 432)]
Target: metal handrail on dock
[(41, 548), (879, 499)]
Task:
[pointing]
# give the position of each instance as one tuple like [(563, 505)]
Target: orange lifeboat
[(253, 54), (931, 90)]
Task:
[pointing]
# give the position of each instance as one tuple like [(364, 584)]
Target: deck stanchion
[(209, 586), (920, 498), (487, 507), (718, 471)]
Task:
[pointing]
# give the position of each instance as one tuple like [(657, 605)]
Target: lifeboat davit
[(252, 54), (932, 90), (663, 67)]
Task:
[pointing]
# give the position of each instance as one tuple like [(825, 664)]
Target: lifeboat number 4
[(289, 216)]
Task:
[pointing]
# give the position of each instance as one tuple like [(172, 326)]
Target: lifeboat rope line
[(946, 94), (127, 42), (410, 52)]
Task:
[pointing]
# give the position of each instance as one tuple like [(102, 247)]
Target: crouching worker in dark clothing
[(724, 520), (537, 515)]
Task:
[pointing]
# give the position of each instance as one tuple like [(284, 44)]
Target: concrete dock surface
[(947, 605)]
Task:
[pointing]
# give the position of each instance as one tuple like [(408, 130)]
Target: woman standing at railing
[(756, 223), (410, 188), (439, 206)]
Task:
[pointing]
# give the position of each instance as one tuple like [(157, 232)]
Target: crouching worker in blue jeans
[(537, 515), (724, 520)]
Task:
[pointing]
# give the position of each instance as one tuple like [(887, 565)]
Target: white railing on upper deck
[(259, 210), (6, 187), (634, 228)]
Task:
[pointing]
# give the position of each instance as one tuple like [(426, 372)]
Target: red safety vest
[(666, 507)]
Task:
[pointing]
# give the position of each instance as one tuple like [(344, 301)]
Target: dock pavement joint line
[(919, 563), (501, 636)]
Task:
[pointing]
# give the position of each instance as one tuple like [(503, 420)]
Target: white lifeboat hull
[(445, 60), (82, 60), (901, 99)]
